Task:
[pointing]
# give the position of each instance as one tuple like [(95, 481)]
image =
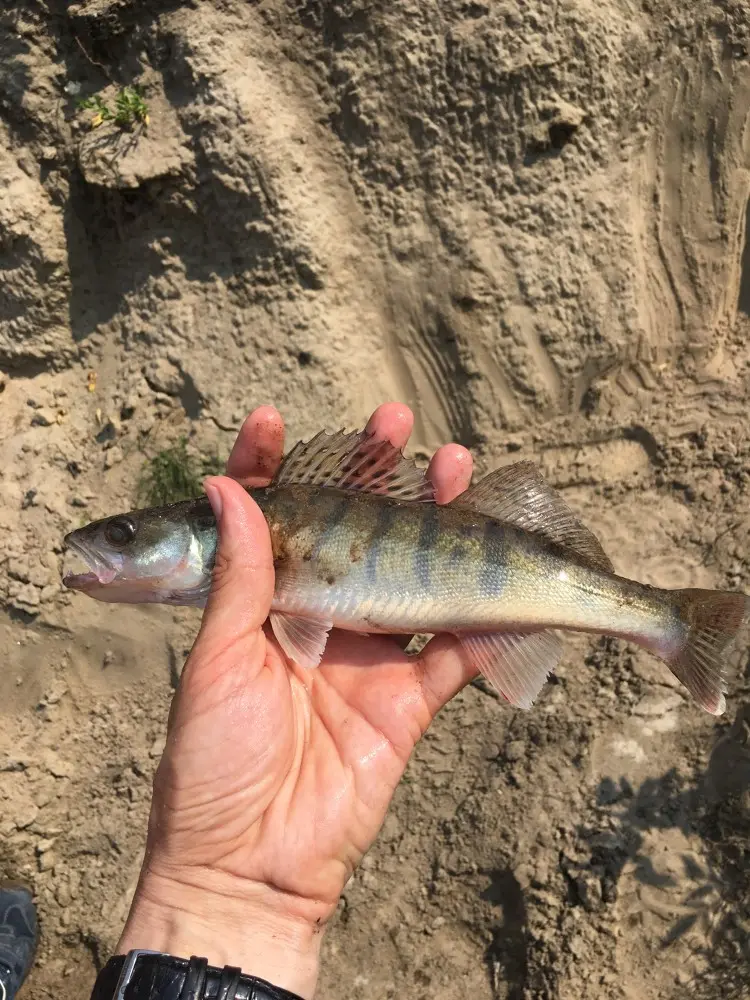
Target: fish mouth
[(100, 572)]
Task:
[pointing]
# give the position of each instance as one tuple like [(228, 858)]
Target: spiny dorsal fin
[(355, 461), (518, 495)]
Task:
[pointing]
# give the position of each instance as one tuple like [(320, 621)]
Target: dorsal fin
[(355, 461), (518, 495)]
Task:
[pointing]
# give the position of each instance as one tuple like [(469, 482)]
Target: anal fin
[(516, 664), (302, 639)]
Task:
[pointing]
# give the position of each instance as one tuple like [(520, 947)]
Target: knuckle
[(222, 573)]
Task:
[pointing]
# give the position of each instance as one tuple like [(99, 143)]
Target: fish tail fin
[(711, 620)]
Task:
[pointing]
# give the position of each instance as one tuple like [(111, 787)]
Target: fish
[(360, 544)]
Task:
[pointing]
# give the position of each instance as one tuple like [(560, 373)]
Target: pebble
[(108, 430), (164, 377), (48, 592), (24, 814), (577, 946), (43, 418), (589, 889), (655, 705), (39, 575), (26, 598), (56, 693), (62, 894), (23, 569), (18, 567), (57, 767), (128, 408), (391, 829), (47, 861), (42, 796), (113, 456), (14, 763)]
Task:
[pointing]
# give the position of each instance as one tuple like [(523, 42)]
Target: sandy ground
[(526, 219)]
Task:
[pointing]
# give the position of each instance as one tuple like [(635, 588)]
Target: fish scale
[(505, 576), (359, 543)]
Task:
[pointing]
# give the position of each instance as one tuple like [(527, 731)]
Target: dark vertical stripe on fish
[(457, 556), (338, 514), (428, 534), (386, 516), (491, 580)]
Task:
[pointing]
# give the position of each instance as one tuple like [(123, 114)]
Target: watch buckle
[(128, 969)]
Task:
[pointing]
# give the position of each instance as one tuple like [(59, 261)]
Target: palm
[(283, 777), (297, 791)]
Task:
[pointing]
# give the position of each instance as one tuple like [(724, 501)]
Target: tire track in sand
[(307, 179), (688, 205)]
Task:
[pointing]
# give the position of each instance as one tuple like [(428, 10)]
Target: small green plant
[(130, 109), (175, 474)]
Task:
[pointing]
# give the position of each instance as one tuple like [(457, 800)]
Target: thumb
[(243, 578)]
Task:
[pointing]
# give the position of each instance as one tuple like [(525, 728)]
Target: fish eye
[(119, 531)]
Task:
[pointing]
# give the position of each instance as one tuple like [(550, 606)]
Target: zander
[(360, 544)]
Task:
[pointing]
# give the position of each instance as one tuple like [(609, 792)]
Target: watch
[(151, 975)]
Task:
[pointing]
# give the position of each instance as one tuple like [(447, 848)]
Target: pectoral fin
[(516, 664), (302, 639)]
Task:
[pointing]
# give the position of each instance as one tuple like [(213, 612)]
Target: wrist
[(229, 922)]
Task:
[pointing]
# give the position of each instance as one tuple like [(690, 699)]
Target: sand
[(527, 220)]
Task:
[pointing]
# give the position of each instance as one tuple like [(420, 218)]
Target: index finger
[(392, 422), (259, 447)]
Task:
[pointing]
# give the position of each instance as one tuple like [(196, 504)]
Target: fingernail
[(214, 498)]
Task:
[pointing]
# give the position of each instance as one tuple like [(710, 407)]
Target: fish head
[(161, 555)]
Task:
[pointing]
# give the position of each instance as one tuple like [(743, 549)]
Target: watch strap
[(148, 975)]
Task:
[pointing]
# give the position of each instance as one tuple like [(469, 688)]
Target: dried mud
[(527, 220)]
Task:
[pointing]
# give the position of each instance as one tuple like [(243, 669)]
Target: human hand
[(275, 780)]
